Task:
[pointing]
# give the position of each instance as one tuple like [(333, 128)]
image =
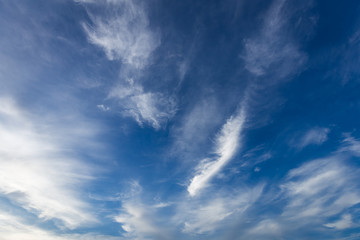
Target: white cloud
[(266, 228), (310, 198), (273, 50), (124, 34), (207, 218), (314, 136), (162, 205), (38, 171), (102, 107), (12, 227), (209, 214), (227, 144), (139, 220), (321, 188), (8, 107), (195, 127), (343, 223), (136, 220), (351, 145), (151, 108)]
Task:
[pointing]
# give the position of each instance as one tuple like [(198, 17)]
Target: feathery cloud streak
[(124, 34), (321, 188), (227, 144), (272, 50)]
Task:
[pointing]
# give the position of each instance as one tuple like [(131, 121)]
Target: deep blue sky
[(160, 119)]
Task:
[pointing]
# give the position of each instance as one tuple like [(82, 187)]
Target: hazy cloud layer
[(273, 50), (38, 172)]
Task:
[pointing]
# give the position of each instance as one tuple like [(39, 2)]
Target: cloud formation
[(13, 227), (139, 219), (138, 222), (344, 222), (207, 215), (151, 108), (124, 34), (227, 144), (314, 136), (37, 170), (321, 188), (176, 64), (273, 50)]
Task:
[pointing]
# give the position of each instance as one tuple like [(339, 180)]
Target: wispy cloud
[(102, 107), (273, 50), (195, 127), (314, 136), (272, 55), (140, 220), (344, 222), (350, 145), (321, 188), (227, 144), (124, 34), (265, 229), (207, 215), (151, 108), (13, 227), (320, 196), (320, 193), (38, 171)]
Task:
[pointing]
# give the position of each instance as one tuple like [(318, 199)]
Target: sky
[(158, 119)]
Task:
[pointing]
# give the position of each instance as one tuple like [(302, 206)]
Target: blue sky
[(129, 119)]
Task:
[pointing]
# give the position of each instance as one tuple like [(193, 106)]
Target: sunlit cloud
[(321, 188), (139, 219), (133, 120), (13, 227), (150, 108), (227, 144), (38, 171), (124, 34), (207, 215), (344, 222)]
